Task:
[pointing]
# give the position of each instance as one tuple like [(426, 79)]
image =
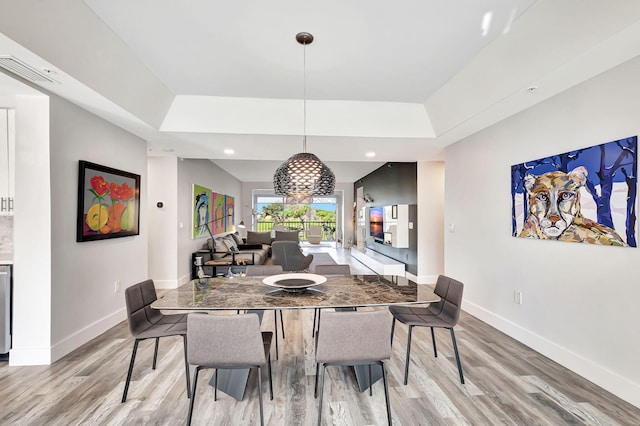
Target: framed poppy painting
[(108, 203)]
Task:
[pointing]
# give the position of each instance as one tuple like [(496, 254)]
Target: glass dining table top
[(220, 293)]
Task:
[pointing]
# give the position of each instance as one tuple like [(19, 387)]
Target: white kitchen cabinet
[(7, 160)]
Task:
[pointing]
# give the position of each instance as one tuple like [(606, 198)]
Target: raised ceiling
[(401, 79)]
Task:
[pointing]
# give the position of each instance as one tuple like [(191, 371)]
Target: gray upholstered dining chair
[(289, 255), (328, 270), (147, 323), (227, 342), (262, 270), (442, 314), (353, 338)]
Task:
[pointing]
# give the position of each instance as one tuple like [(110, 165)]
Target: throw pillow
[(258, 237), (237, 239), (231, 244)]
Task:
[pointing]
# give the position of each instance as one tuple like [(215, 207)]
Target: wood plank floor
[(506, 383)]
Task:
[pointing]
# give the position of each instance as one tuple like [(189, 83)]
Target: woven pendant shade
[(303, 176)]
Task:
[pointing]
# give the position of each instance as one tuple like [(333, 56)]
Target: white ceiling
[(402, 79)]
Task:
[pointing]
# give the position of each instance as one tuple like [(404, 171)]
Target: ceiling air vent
[(23, 70)]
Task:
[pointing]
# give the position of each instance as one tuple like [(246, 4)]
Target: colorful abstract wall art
[(587, 195), (108, 203), (201, 211), (229, 213), (212, 210)]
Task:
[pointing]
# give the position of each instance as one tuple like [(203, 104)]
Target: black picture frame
[(108, 203)]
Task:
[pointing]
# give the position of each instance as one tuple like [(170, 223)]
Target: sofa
[(232, 250)]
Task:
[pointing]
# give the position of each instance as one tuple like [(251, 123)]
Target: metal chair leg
[(315, 392), (406, 363), (270, 377), (370, 382), (433, 340), (455, 350), (195, 383), (186, 365), (315, 316), (155, 353), (386, 392), (260, 395), (133, 360), (275, 324), (321, 395), (281, 322), (393, 329)]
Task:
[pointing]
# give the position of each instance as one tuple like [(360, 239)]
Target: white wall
[(83, 275), (430, 221), (163, 222), (580, 301), (207, 174), (32, 311)]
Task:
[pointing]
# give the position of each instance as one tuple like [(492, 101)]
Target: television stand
[(381, 264)]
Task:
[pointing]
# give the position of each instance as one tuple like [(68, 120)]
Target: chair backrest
[(289, 256), (332, 270), (354, 336), (262, 270), (314, 230), (287, 236), (224, 340), (138, 299), (448, 307)]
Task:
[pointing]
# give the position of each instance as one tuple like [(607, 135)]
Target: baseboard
[(184, 279), (422, 279), (29, 356), (166, 284), (79, 338), (611, 381)]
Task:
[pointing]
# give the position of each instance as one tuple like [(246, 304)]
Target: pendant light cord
[(304, 94)]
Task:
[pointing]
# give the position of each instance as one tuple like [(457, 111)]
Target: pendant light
[(303, 175)]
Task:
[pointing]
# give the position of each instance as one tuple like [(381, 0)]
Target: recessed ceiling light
[(370, 154), (532, 89), (229, 151)]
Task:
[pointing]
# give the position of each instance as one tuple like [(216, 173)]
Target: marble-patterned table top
[(251, 293)]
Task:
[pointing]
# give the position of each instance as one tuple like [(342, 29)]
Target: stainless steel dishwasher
[(5, 310)]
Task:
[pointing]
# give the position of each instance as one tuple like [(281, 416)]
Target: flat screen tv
[(376, 223)]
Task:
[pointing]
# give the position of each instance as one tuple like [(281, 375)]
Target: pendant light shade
[(303, 175)]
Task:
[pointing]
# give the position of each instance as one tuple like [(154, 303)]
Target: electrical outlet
[(517, 297), (116, 286)]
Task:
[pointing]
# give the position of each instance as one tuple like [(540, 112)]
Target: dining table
[(292, 291)]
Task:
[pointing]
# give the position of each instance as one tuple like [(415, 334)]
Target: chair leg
[(133, 359), (260, 395), (270, 377), (370, 382), (315, 315), (455, 350), (281, 322), (315, 392), (321, 395), (406, 363), (393, 329), (275, 324), (155, 353), (186, 365), (193, 399), (215, 386), (433, 339), (386, 393)]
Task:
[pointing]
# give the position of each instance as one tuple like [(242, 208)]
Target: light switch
[(410, 225), (452, 228)]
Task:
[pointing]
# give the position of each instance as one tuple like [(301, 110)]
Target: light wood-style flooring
[(506, 384)]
